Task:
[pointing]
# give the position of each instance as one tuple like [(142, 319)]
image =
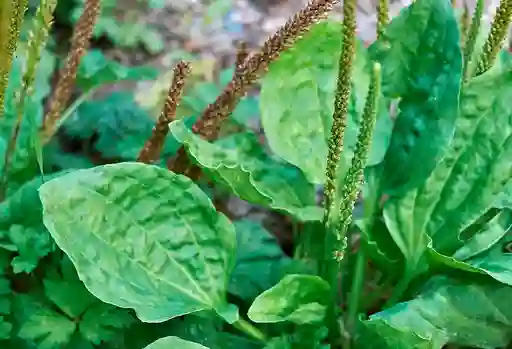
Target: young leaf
[(296, 113), (422, 65), (465, 314), (240, 163), (257, 250), (465, 183), (174, 342), (301, 299), (169, 252)]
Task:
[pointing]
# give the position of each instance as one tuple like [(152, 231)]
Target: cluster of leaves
[(132, 255)]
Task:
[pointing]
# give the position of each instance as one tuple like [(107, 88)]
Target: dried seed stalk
[(79, 45), (253, 68), (496, 38), (153, 146)]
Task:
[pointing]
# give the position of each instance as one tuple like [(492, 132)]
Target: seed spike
[(472, 35), (153, 146), (79, 46), (253, 68), (496, 38)]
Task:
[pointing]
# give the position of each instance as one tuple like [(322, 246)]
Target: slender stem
[(247, 328), (356, 290)]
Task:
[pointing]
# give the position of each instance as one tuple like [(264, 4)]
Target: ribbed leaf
[(465, 184), (259, 261), (240, 163), (142, 237), (465, 314), (301, 299), (421, 64), (297, 102)]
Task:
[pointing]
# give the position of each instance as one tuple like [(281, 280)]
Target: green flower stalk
[(472, 35), (79, 46), (38, 37), (382, 16), (496, 38), (12, 13), (355, 174), (341, 103), (153, 146)]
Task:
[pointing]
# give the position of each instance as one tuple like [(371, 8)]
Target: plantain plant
[(134, 253)]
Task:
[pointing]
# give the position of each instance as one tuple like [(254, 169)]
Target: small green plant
[(132, 253)]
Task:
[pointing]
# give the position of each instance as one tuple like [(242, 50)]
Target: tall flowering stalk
[(38, 37), (153, 146), (472, 35), (251, 70), (79, 46), (382, 16), (12, 13), (341, 103), (496, 38)]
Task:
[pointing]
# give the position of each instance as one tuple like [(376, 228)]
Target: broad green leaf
[(240, 163), (301, 299), (465, 314), (465, 183), (138, 262), (421, 64), (174, 342), (297, 102), (259, 261), (96, 69)]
